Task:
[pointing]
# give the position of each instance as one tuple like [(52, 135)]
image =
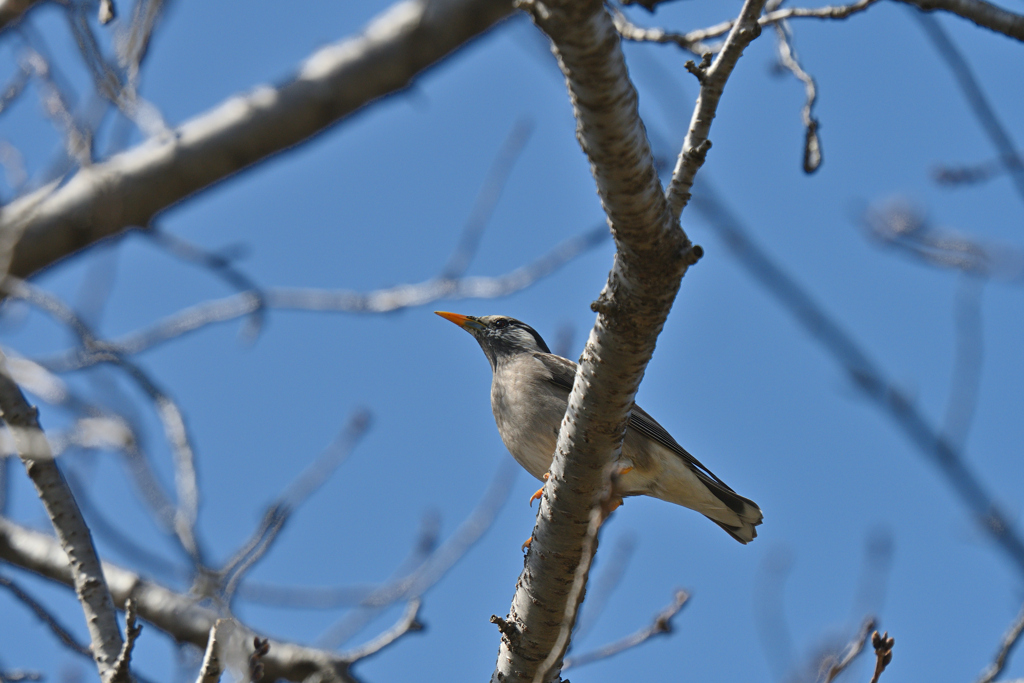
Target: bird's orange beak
[(466, 322)]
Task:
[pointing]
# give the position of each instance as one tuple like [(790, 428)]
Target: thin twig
[(312, 597), (695, 41), (77, 139), (662, 624), (219, 265), (487, 199), (65, 636), (955, 176), (212, 667), (986, 115), (415, 583), (789, 59), (122, 667), (15, 86), (170, 414), (852, 651), (883, 653), (965, 380), (696, 144), (72, 531), (278, 512), (177, 614), (408, 623), (1010, 641), (898, 224), (340, 301), (866, 375)]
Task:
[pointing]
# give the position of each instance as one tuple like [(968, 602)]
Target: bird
[(530, 390)]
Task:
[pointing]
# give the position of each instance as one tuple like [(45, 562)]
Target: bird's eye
[(500, 323)]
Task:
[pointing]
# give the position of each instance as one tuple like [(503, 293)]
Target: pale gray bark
[(129, 189), (652, 255), (982, 13), (176, 614), (81, 560)]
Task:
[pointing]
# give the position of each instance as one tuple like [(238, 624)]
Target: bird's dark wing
[(649, 427), (563, 370)]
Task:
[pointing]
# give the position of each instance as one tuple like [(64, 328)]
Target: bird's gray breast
[(528, 408)]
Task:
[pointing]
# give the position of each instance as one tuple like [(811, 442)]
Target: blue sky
[(381, 199)]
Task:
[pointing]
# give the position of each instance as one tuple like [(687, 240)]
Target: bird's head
[(500, 336)]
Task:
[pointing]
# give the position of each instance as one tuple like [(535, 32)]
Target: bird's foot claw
[(526, 543), (540, 492)]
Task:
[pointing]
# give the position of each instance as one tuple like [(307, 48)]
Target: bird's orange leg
[(537, 496), (615, 501)]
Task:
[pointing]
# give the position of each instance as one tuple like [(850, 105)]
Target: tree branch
[(662, 624), (408, 623), (866, 376), (65, 636), (129, 189), (696, 145), (84, 568), (1005, 648), (982, 13), (652, 255), (175, 614), (337, 300)]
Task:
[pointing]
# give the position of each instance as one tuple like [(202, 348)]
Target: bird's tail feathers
[(748, 514)]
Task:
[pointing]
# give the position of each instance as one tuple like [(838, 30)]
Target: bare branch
[(341, 301), (712, 85), (75, 538), (15, 86), (866, 376), (997, 133), (408, 623), (219, 265), (65, 637), (883, 653), (967, 362), (167, 410), (176, 614), (121, 672), (212, 667), (982, 13), (1005, 648), (652, 255), (486, 199), (694, 41), (18, 675), (852, 651), (900, 225), (77, 138), (662, 624), (789, 59), (412, 585), (279, 512), (129, 189), (691, 42)]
